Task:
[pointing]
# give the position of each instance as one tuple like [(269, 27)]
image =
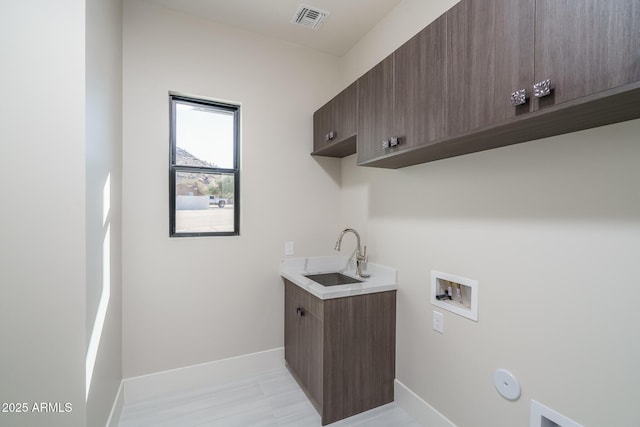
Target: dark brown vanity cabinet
[(342, 350), (334, 125), (402, 99)]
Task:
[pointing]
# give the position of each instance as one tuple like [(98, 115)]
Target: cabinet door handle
[(300, 311), (392, 142), (331, 135), (542, 88), (519, 97)]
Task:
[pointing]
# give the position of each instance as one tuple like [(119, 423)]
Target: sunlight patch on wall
[(106, 200), (101, 314)]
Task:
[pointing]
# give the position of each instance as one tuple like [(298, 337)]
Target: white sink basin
[(332, 270)]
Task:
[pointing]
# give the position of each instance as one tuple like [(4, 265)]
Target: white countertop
[(381, 278)]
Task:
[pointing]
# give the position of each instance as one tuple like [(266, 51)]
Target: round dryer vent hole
[(506, 384)]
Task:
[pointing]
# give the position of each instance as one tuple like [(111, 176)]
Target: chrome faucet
[(361, 256)]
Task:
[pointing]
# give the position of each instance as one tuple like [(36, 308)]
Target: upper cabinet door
[(322, 124), (420, 76), (471, 61), (490, 50), (343, 112), (587, 46), (375, 112), (514, 39)]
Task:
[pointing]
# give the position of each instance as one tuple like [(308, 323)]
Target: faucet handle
[(364, 258)]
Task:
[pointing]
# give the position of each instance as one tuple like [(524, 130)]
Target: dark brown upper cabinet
[(497, 47), (586, 47), (402, 100), (572, 65), (334, 125), (491, 73)]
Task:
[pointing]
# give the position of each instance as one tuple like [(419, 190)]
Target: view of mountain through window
[(205, 135), (204, 168)]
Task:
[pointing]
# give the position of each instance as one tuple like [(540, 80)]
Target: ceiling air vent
[(308, 16)]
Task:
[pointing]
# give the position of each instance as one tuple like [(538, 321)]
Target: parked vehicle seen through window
[(204, 168)]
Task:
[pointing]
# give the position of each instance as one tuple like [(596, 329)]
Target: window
[(204, 168)]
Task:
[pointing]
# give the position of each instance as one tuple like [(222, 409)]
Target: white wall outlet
[(438, 322), (288, 248)]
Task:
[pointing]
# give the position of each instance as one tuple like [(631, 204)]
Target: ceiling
[(347, 22)]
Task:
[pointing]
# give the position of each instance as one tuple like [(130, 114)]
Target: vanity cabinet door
[(311, 344), (585, 47), (292, 329), (359, 356), (303, 339)]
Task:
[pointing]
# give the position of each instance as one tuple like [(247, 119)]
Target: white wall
[(42, 245), (103, 205), (193, 300), (402, 23), (550, 229)]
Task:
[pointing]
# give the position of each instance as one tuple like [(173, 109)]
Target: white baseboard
[(202, 375), (418, 409), (116, 409)]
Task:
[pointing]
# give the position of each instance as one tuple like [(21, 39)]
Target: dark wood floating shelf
[(604, 108), (342, 148)]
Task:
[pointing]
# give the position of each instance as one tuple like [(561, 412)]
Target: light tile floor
[(267, 400)]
